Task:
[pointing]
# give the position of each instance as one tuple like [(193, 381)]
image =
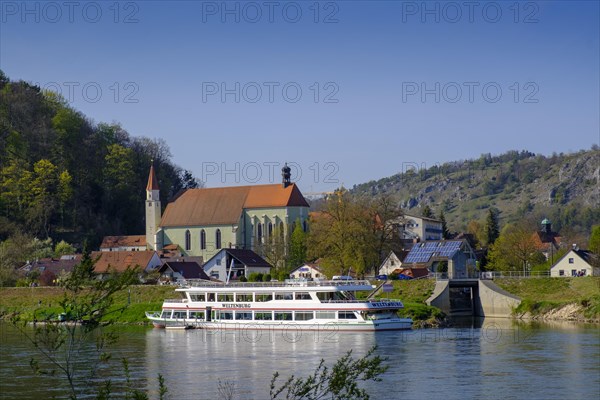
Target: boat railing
[(370, 301), (287, 283), (176, 301)]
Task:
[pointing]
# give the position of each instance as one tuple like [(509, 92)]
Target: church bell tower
[(153, 213)]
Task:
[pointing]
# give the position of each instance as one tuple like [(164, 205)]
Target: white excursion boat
[(300, 304)]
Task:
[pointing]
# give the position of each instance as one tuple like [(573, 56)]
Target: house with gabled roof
[(454, 258), (119, 261), (392, 262), (204, 221), (308, 271), (235, 263), (576, 262), (179, 271)]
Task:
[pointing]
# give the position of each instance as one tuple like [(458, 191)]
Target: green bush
[(267, 278), (243, 279), (255, 277)]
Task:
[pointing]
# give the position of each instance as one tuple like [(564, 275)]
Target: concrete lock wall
[(495, 301), (440, 297)]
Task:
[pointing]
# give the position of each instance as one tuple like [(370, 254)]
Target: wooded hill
[(65, 177), (520, 184)]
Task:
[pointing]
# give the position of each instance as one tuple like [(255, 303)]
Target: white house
[(244, 261), (576, 263), (391, 263), (419, 229), (308, 271)]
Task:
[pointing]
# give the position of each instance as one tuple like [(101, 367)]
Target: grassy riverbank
[(547, 296), (40, 301)]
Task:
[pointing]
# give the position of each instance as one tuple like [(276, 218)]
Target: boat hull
[(290, 326)]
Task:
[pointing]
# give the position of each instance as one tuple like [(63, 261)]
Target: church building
[(204, 221)]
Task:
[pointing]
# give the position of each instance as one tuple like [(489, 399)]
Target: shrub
[(267, 278), (255, 277)]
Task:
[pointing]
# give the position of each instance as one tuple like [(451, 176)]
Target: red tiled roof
[(118, 261), (123, 241), (224, 206)]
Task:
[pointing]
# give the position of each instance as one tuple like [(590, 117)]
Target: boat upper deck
[(287, 284)]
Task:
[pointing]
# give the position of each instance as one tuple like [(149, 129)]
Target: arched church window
[(203, 239), (188, 240), (218, 239), (304, 226), (270, 229), (259, 232)]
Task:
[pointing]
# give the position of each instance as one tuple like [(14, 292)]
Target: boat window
[(325, 314), (324, 296), (264, 297), (283, 316), (225, 315), (284, 296), (224, 296), (166, 314), (303, 296), (262, 316), (304, 315), (197, 314), (346, 315), (243, 315), (245, 297), (211, 297), (179, 314), (198, 297)]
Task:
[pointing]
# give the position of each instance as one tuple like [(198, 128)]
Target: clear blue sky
[(375, 58)]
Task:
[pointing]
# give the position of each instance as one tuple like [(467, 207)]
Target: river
[(491, 358)]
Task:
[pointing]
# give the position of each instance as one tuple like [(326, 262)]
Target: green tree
[(297, 246), (341, 382), (343, 235), (492, 228), (63, 248), (427, 213), (514, 250), (445, 231)]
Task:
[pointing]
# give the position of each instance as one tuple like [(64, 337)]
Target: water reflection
[(491, 358)]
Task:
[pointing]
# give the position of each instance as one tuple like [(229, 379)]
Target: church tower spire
[(153, 213)]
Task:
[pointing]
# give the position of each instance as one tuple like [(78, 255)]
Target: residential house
[(413, 228), (235, 263), (392, 262), (123, 243), (180, 271), (454, 258), (54, 266), (308, 271), (576, 262), (119, 261)]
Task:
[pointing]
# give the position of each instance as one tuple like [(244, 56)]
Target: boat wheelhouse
[(301, 304)]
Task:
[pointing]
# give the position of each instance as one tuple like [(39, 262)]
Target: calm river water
[(491, 359)]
